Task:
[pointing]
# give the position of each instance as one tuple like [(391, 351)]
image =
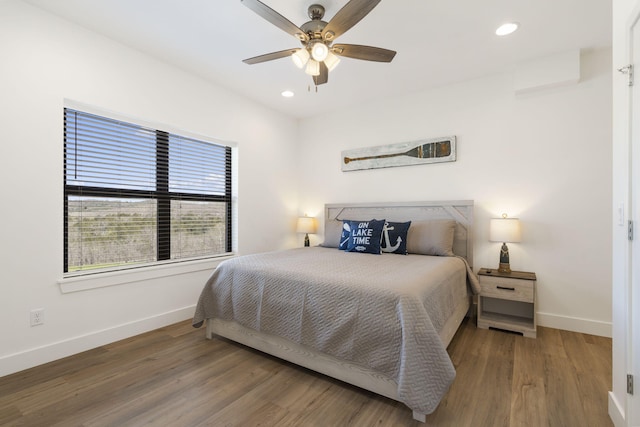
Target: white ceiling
[(438, 42)]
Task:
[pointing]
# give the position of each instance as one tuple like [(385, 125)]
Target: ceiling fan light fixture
[(300, 57), (319, 51), (313, 68), (331, 61), (317, 56)]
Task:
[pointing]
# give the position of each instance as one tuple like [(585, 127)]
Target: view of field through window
[(106, 232)]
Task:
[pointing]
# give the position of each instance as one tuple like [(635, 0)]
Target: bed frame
[(461, 211)]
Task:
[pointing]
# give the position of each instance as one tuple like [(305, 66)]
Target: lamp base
[(306, 240), (504, 268)]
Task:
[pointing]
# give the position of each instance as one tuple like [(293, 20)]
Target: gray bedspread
[(381, 311)]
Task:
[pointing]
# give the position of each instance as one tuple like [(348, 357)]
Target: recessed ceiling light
[(507, 28), (287, 94)]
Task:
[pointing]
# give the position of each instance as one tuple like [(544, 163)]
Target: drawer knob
[(505, 288)]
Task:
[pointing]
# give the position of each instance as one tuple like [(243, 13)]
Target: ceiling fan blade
[(276, 19), (367, 53), (323, 77), (348, 16), (269, 56)]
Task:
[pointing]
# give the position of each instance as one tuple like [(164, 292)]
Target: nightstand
[(507, 301)]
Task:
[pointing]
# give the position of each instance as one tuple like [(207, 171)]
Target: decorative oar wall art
[(433, 150)]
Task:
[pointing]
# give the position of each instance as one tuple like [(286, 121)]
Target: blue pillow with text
[(365, 236)]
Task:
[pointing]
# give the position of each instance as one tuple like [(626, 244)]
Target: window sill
[(113, 278)]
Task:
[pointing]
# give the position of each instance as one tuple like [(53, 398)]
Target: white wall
[(544, 157), (45, 60)]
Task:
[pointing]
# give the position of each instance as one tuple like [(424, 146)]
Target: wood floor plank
[(528, 395), (9, 414), (174, 376), (493, 409), (589, 377), (485, 364), (562, 393), (52, 371)]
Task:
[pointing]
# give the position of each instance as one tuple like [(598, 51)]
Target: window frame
[(161, 194)]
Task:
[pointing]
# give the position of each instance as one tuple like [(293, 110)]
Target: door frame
[(632, 288)]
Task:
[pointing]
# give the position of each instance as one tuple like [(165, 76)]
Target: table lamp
[(505, 230), (306, 225)]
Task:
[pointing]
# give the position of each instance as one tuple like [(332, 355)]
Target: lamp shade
[(300, 57), (504, 230), (313, 68), (331, 61), (306, 225)]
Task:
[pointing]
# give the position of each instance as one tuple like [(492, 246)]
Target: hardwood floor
[(175, 377)]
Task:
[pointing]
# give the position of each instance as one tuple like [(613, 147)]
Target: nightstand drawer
[(506, 288)]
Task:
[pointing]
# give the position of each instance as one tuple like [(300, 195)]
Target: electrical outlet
[(37, 316)]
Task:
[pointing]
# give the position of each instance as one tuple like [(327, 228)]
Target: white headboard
[(459, 210)]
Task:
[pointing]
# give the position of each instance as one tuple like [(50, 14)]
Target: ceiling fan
[(318, 53)]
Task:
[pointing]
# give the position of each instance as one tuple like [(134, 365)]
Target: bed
[(381, 322)]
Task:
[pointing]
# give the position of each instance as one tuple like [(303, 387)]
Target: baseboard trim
[(615, 412), (575, 324), (20, 361)]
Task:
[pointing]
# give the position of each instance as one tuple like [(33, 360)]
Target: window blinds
[(135, 195)]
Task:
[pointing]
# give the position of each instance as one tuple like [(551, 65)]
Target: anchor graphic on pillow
[(385, 242)]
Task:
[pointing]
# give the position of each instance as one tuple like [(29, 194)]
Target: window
[(134, 195)]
